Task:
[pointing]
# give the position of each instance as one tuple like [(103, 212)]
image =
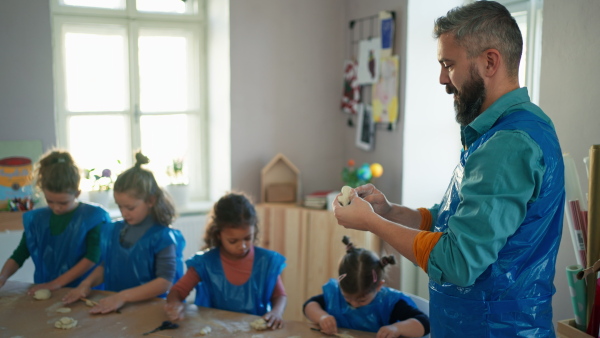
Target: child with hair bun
[(143, 255), (233, 274), (63, 238), (359, 300)]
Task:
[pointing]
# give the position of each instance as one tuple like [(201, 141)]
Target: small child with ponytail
[(359, 300), (143, 255)]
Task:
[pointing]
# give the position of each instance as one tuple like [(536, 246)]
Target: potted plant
[(357, 176), (100, 183), (178, 187)]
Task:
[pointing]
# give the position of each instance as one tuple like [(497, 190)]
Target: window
[(528, 14), (129, 75)]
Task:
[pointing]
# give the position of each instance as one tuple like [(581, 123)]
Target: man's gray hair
[(483, 25)]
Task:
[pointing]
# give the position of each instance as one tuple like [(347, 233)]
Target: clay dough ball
[(259, 324), (89, 303), (63, 309), (65, 323), (42, 294), (345, 197), (205, 330)]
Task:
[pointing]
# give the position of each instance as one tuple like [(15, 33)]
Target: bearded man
[(490, 246)]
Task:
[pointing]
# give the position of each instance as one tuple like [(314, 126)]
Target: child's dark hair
[(57, 172), (140, 183), (361, 269), (231, 211)]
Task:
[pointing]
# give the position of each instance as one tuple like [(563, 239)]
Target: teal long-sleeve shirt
[(499, 179)]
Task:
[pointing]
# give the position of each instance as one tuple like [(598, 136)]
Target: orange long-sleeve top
[(237, 272), (425, 240)]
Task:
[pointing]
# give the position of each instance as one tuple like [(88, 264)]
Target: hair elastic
[(374, 276)]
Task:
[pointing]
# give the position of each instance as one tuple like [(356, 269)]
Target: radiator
[(192, 228)]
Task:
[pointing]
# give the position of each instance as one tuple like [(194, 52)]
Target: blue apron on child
[(126, 268), (53, 255), (370, 317), (513, 296), (253, 297)]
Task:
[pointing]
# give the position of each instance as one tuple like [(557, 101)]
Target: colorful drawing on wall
[(385, 92), (351, 94), (386, 21), (16, 168), (369, 53)]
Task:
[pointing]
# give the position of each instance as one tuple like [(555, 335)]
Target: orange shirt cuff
[(425, 219), (422, 246)]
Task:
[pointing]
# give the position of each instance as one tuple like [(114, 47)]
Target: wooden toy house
[(280, 181)]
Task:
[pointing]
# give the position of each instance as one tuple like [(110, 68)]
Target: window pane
[(164, 6), (521, 18), (96, 71), (111, 4), (99, 142), (163, 62), (165, 138)]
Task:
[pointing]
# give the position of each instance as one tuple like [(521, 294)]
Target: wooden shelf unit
[(311, 240)]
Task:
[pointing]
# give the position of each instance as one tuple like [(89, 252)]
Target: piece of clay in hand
[(345, 197)]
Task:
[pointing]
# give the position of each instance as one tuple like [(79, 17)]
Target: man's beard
[(468, 102)]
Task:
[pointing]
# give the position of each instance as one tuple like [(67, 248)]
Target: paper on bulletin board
[(369, 52), (385, 92), (386, 21), (16, 168), (351, 92)]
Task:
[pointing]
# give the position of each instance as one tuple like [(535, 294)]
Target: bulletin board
[(371, 91)]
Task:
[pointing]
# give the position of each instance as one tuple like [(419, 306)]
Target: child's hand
[(108, 304), (76, 294), (50, 286), (389, 331), (328, 324), (274, 320), (174, 310)]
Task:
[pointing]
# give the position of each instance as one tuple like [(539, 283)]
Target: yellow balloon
[(376, 169)]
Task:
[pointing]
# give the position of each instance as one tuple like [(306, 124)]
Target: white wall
[(26, 89), (569, 95), (431, 134), (286, 84)]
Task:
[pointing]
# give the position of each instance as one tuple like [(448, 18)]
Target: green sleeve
[(21, 253), (92, 240)]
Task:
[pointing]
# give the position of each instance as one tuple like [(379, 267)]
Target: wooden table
[(21, 315)]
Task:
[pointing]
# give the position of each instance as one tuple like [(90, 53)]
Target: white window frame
[(195, 23), (534, 9)]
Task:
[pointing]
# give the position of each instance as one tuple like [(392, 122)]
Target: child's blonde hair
[(233, 210), (140, 183), (57, 172), (360, 270)]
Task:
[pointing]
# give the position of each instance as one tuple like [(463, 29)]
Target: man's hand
[(376, 198), (354, 215)]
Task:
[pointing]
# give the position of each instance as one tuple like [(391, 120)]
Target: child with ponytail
[(359, 300), (143, 254)]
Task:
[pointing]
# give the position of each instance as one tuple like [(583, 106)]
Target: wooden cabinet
[(311, 240)]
